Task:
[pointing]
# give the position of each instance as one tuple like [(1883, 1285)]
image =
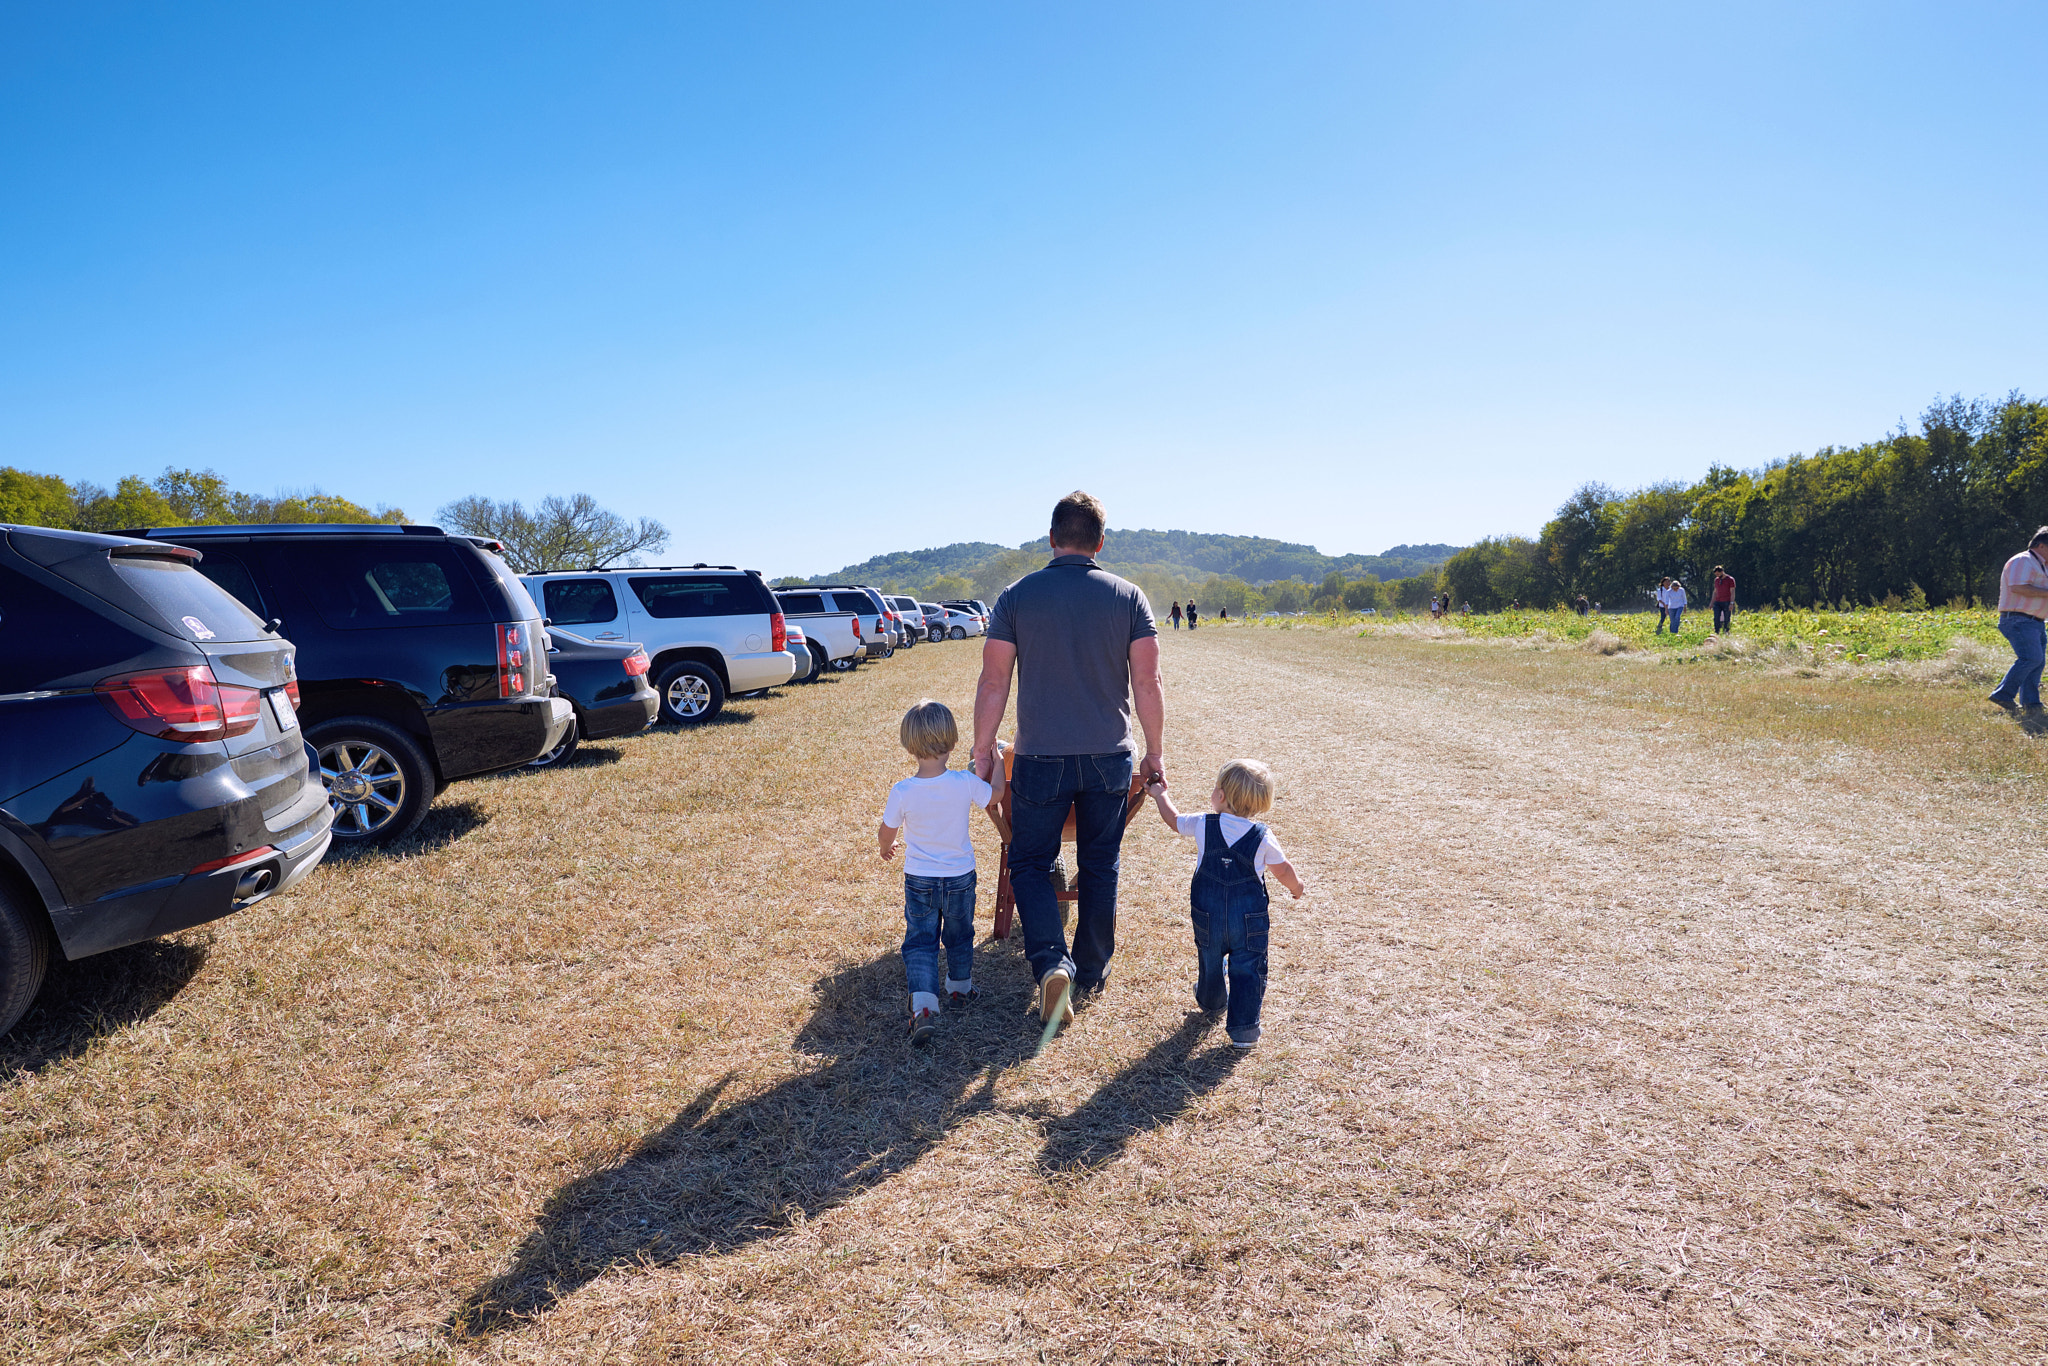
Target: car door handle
[(607, 635)]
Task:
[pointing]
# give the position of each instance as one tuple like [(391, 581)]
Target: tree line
[(174, 498), (557, 534), (1924, 515)]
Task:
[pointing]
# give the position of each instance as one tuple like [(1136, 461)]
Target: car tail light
[(778, 632), (514, 665), (232, 860), (636, 664), (856, 629), (181, 704), (291, 681)]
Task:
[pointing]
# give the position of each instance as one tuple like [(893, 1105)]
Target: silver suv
[(710, 630)]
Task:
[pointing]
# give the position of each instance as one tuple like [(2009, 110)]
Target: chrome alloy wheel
[(688, 695), (365, 786)]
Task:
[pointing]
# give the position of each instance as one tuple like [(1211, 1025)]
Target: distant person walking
[(2022, 603), (1085, 652), (1582, 606), (1663, 597), (1176, 614), (1192, 614), (1724, 601), (1674, 604)]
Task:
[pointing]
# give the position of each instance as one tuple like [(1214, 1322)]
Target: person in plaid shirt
[(2022, 604)]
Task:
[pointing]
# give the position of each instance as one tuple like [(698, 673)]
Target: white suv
[(710, 630)]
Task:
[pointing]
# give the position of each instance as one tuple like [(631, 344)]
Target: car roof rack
[(291, 528)]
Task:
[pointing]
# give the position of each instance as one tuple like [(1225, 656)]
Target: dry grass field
[(1636, 1013)]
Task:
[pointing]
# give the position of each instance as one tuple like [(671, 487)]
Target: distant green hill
[(1168, 562)]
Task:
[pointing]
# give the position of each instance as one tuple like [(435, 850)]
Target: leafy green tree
[(948, 588), (1362, 593), (35, 499)]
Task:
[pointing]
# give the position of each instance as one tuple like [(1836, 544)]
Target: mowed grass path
[(1626, 1020)]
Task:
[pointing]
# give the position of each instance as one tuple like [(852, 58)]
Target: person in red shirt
[(1724, 600)]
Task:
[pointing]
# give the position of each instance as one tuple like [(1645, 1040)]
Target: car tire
[(959, 633), (383, 768), (818, 663), (24, 955), (561, 754), (888, 652), (846, 665), (690, 693)]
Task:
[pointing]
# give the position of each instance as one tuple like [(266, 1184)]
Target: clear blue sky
[(812, 282)]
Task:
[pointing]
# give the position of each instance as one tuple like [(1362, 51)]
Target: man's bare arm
[(991, 700), (1148, 698)]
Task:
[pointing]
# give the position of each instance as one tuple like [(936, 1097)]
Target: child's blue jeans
[(937, 910)]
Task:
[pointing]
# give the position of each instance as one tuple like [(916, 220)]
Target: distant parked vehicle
[(831, 624), (153, 773), (974, 605), (421, 659), (606, 683), (959, 625), (878, 621), (710, 629), (934, 620), (909, 620), (798, 647)]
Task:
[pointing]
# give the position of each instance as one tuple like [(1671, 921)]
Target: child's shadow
[(713, 1180)]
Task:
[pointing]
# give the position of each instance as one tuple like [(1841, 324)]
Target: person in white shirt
[(1674, 603), (1663, 597), (1227, 900), (930, 809)]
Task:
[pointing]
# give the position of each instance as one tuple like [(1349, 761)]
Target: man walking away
[(2022, 603), (1085, 651), (1724, 601)]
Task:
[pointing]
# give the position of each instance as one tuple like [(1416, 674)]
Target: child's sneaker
[(960, 1000), (922, 1024)]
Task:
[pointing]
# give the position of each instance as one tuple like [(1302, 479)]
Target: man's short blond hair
[(1247, 787), (928, 730)]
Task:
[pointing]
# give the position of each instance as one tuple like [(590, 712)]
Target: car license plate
[(281, 707)]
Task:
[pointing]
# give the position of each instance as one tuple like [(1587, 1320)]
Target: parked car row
[(169, 695)]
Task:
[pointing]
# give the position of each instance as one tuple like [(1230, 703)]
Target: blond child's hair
[(928, 730), (1247, 787)]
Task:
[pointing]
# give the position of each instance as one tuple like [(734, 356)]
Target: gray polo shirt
[(1073, 623)]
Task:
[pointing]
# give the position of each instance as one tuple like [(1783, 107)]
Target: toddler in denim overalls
[(1227, 899), (931, 809)]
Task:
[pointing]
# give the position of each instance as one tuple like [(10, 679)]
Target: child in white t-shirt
[(930, 810), (1227, 900)]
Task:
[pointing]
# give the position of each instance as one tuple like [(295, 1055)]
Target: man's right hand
[(1153, 766), (984, 762)]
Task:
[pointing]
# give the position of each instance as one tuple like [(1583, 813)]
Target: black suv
[(421, 657), (152, 771)]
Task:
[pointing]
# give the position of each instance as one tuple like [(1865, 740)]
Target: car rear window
[(802, 602), (188, 601), (361, 588), (48, 640), (574, 602), (686, 596), (856, 603)]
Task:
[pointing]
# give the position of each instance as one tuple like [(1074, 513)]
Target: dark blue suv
[(421, 657), (153, 775)]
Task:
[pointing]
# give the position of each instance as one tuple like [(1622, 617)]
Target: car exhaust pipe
[(255, 882)]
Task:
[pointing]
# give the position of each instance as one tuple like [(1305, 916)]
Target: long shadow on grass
[(83, 1002), (715, 1179), (446, 823), (1154, 1090)]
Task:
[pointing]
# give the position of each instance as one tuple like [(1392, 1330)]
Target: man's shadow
[(1152, 1091), (718, 1178)]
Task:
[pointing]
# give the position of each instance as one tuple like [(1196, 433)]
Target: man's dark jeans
[(2022, 681), (1042, 790)]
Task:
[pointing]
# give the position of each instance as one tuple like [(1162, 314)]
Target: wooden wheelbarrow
[(1066, 889)]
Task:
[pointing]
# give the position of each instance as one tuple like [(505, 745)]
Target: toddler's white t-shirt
[(932, 814), (1196, 828)]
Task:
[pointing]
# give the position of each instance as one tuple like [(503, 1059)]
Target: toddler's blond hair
[(1247, 787), (928, 730)]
